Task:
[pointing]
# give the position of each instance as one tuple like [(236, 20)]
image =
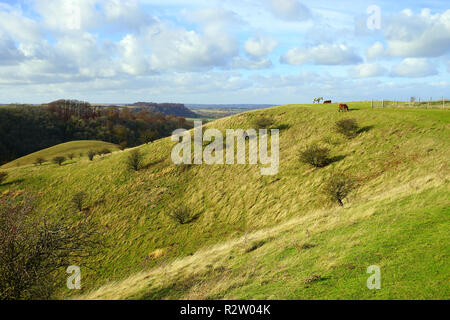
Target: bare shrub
[(182, 215), (316, 156), (3, 176), (78, 200), (347, 127), (135, 160), (36, 249), (338, 187), (71, 156)]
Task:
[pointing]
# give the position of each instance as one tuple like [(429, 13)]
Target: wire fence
[(428, 104)]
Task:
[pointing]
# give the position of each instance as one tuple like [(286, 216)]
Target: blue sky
[(228, 51)]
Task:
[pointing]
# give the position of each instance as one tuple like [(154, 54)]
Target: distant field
[(63, 149)]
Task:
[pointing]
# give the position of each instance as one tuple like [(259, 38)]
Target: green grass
[(261, 237), (63, 149)]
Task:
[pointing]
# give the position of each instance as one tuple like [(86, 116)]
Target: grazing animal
[(317, 100), (327, 101), (343, 107)]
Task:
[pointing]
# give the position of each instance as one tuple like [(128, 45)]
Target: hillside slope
[(261, 237), (63, 149)]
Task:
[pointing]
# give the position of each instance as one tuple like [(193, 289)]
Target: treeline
[(176, 109), (27, 129)]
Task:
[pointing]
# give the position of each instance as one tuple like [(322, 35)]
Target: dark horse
[(327, 101), (343, 107)]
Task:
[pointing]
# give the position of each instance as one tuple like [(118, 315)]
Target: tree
[(338, 187), (91, 154), (59, 160), (35, 249), (39, 161), (148, 136), (3, 176), (134, 160)]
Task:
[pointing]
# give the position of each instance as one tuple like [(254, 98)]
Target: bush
[(78, 200), (91, 154), (347, 127), (316, 156), (81, 154), (134, 160), (182, 215), (59, 160), (338, 187), (70, 156), (104, 151), (262, 123), (35, 250), (123, 145), (3, 176)]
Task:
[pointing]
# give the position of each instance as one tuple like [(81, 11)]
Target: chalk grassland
[(269, 237), (63, 149)]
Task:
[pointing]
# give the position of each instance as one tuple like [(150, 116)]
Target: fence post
[(382, 103), (443, 103), (371, 104)]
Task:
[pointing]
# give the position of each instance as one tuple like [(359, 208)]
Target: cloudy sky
[(224, 51)]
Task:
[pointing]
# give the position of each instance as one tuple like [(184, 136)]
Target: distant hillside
[(175, 109), (77, 148)]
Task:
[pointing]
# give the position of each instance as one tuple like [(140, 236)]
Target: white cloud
[(253, 64), (18, 27), (9, 54), (125, 14), (180, 49), (321, 55), (376, 51), (260, 46), (69, 16), (418, 35), (291, 10), (134, 59), (414, 68), (367, 70)]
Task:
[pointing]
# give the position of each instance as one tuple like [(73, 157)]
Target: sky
[(223, 51)]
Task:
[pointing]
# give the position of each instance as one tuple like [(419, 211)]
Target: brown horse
[(327, 101), (343, 107)]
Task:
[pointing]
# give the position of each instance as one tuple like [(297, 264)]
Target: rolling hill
[(63, 149), (269, 237)]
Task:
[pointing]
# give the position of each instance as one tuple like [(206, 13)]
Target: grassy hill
[(63, 149), (269, 237)]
